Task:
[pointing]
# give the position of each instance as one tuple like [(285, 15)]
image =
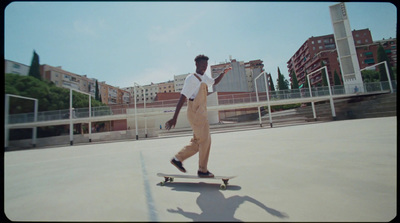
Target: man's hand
[(227, 69), (178, 210), (170, 124), (219, 78)]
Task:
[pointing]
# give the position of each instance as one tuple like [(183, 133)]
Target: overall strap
[(197, 77)]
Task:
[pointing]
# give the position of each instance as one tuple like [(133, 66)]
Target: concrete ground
[(332, 171)]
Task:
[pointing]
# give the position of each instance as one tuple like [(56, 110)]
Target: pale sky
[(143, 42)]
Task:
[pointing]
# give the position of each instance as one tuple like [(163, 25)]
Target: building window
[(368, 54), (369, 61), (330, 46)]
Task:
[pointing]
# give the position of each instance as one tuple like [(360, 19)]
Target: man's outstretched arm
[(219, 78), (172, 122)]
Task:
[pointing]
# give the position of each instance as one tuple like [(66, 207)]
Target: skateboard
[(170, 178)]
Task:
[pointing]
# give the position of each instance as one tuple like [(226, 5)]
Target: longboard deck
[(193, 176), (170, 178)]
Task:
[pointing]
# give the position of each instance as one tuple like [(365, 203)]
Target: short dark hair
[(201, 57)]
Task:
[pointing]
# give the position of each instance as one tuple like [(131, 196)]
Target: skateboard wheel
[(171, 179), (222, 187), (162, 183)]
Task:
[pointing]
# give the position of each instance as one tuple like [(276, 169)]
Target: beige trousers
[(201, 141)]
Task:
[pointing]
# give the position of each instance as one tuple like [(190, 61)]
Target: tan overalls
[(201, 141)]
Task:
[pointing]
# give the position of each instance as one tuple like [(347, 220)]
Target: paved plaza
[(331, 171)]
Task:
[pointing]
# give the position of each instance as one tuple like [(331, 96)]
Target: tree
[(305, 80), (382, 70), (96, 92), (34, 70), (271, 82), (283, 84), (49, 95), (336, 78), (295, 83), (286, 82), (324, 80), (370, 76)]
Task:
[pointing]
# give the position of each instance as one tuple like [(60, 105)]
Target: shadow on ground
[(214, 205)]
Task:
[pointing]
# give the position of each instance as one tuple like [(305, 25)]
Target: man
[(195, 89)]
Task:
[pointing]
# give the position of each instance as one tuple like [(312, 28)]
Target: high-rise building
[(321, 51), (240, 78), (390, 47)]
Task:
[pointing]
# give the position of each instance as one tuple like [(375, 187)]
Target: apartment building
[(253, 68), (390, 46), (131, 93), (321, 51), (146, 91), (179, 80), (12, 67), (90, 83), (240, 78), (111, 95), (166, 87), (62, 78), (150, 91)]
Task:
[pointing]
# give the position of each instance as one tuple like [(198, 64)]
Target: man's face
[(201, 66)]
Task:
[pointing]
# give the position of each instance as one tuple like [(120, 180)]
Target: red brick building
[(322, 50)]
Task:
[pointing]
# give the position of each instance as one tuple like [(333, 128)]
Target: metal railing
[(239, 98)]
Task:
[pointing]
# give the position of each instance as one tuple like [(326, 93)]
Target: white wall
[(154, 122)]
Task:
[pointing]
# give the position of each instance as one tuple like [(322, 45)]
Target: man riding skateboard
[(195, 90)]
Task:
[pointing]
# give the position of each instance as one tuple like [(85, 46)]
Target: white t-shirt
[(192, 85)]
